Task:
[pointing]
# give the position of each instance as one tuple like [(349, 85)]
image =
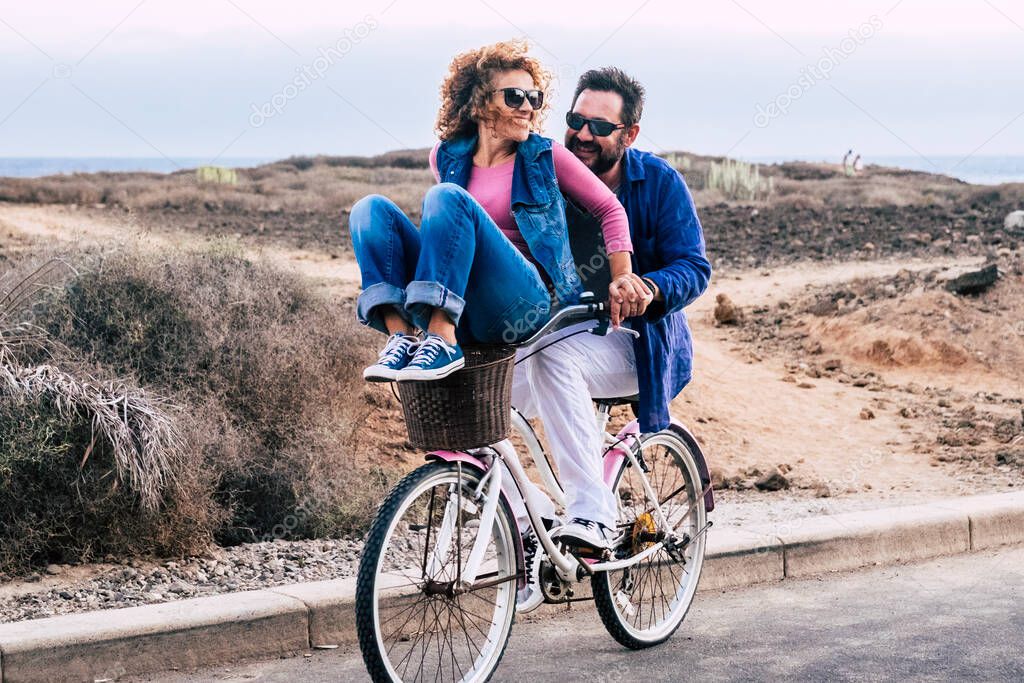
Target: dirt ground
[(848, 385), (875, 399)]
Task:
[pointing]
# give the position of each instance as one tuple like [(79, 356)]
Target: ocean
[(982, 170), (35, 167)]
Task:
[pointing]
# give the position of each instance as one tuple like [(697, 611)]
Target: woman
[(492, 239)]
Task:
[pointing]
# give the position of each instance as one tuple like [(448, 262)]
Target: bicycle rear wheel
[(644, 604), (413, 620)]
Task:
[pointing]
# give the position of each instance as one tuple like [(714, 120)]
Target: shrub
[(217, 174), (87, 467), (66, 496), (739, 180), (268, 368)]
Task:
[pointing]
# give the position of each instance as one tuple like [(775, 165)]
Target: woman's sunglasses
[(598, 128), (514, 97)]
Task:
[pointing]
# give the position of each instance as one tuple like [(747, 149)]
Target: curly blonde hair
[(465, 90)]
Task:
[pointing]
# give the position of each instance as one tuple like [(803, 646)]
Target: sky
[(754, 78)]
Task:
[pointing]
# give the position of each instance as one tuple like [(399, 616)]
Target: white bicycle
[(437, 584)]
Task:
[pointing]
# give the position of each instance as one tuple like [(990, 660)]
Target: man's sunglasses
[(514, 97), (598, 128)]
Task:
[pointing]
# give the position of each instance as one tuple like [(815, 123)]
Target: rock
[(975, 281), (717, 477), (54, 569), (773, 481), (833, 365), (823, 307), (805, 385), (867, 414), (813, 347), (726, 312), (1014, 221)]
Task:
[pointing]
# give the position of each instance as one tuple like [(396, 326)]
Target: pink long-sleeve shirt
[(492, 188)]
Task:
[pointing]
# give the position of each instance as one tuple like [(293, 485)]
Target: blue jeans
[(458, 261)]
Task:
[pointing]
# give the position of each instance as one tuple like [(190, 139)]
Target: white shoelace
[(427, 350), (395, 349)]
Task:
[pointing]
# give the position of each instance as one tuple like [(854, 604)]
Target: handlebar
[(588, 309)]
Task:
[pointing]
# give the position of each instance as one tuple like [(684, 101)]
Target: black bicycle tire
[(601, 586), (373, 546)]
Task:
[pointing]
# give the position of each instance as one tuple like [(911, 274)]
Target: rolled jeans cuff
[(380, 294), (421, 296)]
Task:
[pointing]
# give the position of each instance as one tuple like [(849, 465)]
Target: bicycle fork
[(451, 528)]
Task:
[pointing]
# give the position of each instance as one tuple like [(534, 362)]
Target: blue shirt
[(668, 248)]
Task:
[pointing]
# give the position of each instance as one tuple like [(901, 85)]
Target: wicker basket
[(469, 408)]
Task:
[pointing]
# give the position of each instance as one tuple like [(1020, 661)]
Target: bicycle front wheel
[(416, 618), (644, 604)]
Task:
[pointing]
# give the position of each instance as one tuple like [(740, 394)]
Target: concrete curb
[(259, 624)]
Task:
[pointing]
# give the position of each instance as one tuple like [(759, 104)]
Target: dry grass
[(267, 442), (143, 439), (298, 185), (271, 366), (87, 467)]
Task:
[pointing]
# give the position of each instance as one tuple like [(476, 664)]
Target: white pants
[(557, 385)]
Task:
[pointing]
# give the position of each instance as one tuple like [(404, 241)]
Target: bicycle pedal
[(593, 554)]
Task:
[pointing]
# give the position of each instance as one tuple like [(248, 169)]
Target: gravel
[(222, 570)]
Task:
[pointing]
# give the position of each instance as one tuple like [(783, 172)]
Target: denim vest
[(537, 205)]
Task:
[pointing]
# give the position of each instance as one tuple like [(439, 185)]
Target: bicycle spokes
[(430, 623)]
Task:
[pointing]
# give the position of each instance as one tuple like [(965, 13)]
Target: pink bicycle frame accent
[(456, 456), (614, 456)]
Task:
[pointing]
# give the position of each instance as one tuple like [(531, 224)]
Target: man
[(558, 384)]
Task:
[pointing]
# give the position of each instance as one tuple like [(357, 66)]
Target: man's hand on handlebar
[(628, 296)]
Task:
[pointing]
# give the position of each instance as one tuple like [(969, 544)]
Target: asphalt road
[(959, 618)]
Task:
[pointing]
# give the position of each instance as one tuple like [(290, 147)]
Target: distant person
[(493, 236), (846, 162), (858, 166)]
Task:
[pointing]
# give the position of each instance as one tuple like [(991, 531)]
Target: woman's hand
[(628, 297)]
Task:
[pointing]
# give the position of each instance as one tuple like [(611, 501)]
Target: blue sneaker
[(396, 355), (434, 359)]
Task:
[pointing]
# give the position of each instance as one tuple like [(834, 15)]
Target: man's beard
[(603, 160)]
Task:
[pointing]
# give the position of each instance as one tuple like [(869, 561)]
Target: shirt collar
[(633, 169)]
